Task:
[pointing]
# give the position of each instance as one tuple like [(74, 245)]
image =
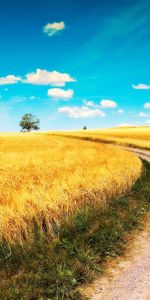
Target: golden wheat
[(128, 136), (48, 178)]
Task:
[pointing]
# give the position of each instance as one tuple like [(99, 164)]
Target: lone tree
[(29, 122), (84, 128)]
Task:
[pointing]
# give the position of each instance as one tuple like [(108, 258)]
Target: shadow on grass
[(54, 268)]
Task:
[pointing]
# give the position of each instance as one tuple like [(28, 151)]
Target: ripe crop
[(44, 179), (128, 136)]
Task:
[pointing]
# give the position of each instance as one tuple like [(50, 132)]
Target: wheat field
[(47, 178), (138, 136)]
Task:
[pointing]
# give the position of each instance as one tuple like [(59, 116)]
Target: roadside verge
[(56, 269)]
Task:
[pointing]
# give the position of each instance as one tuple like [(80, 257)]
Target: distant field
[(46, 178), (128, 136)]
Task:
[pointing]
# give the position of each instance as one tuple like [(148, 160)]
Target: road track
[(129, 279)]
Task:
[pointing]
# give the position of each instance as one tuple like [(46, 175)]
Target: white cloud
[(141, 86), (88, 103), (81, 112), (147, 105), (32, 97), (44, 77), (57, 93), (125, 125), (39, 77), (9, 79), (120, 111), (147, 122), (106, 103), (53, 28), (143, 115)]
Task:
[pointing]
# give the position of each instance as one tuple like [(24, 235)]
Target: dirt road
[(129, 278), (144, 154)]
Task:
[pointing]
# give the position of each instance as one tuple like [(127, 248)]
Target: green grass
[(54, 268)]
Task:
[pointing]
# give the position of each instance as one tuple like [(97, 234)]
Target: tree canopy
[(29, 122)]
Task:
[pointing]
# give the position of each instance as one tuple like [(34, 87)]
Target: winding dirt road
[(144, 154), (128, 278)]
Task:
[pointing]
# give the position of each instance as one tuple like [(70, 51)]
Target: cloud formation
[(141, 86), (53, 28), (88, 103), (44, 77), (57, 93), (39, 77), (106, 103), (143, 115), (126, 125), (9, 79), (147, 105), (81, 112), (147, 122), (120, 111)]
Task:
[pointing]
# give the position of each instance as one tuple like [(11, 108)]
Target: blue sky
[(75, 63)]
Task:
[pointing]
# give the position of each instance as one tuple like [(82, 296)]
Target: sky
[(74, 63)]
